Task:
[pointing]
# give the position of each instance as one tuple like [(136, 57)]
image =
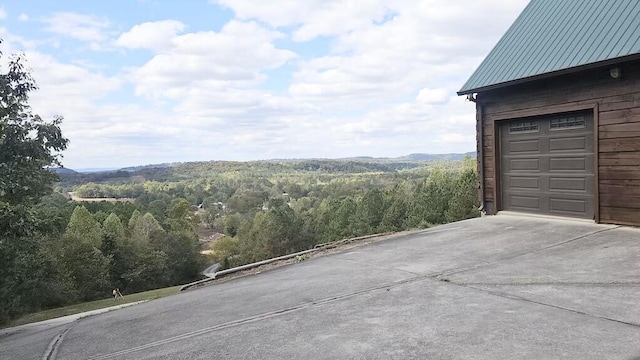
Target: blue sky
[(147, 81)]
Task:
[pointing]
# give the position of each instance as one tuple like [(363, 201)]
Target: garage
[(558, 113), (547, 165)]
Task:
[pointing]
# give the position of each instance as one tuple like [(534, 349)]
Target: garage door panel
[(568, 143), (525, 202), (524, 183), (524, 146), (574, 206), (567, 184), (568, 164), (548, 169), (526, 164)]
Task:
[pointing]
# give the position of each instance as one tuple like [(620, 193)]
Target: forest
[(271, 208), (153, 228)]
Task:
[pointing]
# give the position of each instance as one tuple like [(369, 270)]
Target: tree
[(183, 259), (224, 249), (394, 217), (369, 212), (341, 218), (144, 227), (133, 220), (84, 227), (28, 145), (281, 232), (114, 247), (464, 201), (86, 266), (83, 261), (431, 200), (181, 215)]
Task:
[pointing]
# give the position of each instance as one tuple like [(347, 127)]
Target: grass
[(93, 305)]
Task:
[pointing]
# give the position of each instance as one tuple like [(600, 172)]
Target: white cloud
[(72, 91), (12, 43), (3, 14), (23, 17), (151, 35), (312, 18), (421, 44), (456, 138), (276, 14), (67, 81), (78, 26), (233, 57), (433, 96), (339, 17)]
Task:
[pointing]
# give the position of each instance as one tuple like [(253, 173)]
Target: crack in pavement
[(52, 350), (520, 298), (561, 283), (256, 318), (378, 266), (511, 257), (441, 276)]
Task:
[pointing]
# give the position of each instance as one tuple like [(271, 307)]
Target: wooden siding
[(616, 107)]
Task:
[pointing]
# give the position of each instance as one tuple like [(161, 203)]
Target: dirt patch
[(81, 199)]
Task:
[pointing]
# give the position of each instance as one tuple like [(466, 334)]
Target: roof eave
[(575, 69)]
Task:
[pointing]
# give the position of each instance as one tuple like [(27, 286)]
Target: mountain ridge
[(409, 157)]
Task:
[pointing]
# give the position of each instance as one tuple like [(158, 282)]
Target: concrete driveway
[(500, 287)]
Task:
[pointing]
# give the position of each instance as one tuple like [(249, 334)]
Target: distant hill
[(150, 166), (95, 170), (196, 169), (431, 157), (62, 170), (410, 157)]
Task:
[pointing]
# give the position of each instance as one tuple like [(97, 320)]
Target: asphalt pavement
[(501, 287)]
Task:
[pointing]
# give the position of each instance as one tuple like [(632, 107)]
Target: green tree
[(144, 227), (183, 259), (431, 200), (370, 210), (84, 227), (182, 216), (133, 219), (82, 259), (224, 250), (394, 218), (464, 200), (52, 214), (341, 218), (28, 145), (231, 224), (114, 247), (159, 209), (281, 232), (86, 266), (112, 227)]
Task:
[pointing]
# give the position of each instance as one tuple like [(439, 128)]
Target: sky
[(159, 81)]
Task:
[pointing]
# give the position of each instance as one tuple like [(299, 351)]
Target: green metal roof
[(555, 35)]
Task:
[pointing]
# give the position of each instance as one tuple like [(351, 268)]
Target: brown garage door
[(547, 165)]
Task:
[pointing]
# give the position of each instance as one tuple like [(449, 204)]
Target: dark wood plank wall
[(618, 105)]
